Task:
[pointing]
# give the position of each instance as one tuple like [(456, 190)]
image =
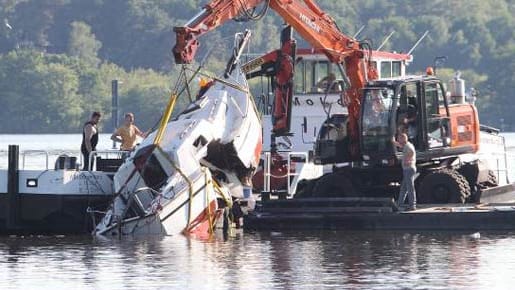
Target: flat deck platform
[(377, 214)]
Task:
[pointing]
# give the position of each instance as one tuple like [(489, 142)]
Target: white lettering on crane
[(310, 23)]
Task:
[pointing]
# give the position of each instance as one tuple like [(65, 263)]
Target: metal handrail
[(97, 152), (501, 163), (47, 156), (25, 152), (267, 175), (290, 174)]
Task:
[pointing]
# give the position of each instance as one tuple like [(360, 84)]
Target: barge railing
[(290, 174)]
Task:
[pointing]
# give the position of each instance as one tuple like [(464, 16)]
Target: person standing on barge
[(89, 139), (127, 133), (409, 170)]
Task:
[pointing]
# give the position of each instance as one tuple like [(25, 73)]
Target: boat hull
[(171, 221), (52, 213), (53, 201), (174, 179)]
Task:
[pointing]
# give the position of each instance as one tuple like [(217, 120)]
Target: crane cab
[(317, 88), (417, 107)]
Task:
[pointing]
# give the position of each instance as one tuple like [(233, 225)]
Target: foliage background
[(58, 57)]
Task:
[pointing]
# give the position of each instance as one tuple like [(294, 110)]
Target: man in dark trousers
[(89, 139)]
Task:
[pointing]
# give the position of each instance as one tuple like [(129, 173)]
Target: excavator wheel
[(443, 186), (492, 179), (305, 188), (333, 185)]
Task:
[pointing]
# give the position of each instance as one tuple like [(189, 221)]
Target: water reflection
[(266, 260)]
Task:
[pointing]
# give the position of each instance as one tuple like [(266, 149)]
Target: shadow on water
[(266, 260)]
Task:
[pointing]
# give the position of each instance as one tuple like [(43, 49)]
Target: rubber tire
[(305, 188), (443, 186), (492, 179), (333, 185)]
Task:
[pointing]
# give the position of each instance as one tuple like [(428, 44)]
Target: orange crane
[(314, 25), (445, 128)]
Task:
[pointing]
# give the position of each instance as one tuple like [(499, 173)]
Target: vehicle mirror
[(445, 126), (446, 134), (311, 154), (446, 141)]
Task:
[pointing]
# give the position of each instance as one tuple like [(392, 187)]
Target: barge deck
[(53, 201), (378, 214)]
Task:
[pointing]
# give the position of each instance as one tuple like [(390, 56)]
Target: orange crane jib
[(312, 23)]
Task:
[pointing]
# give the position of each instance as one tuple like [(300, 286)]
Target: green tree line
[(58, 57)]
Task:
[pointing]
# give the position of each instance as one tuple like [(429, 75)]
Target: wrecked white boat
[(182, 176)]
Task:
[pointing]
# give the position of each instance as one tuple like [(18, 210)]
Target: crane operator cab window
[(316, 77), (332, 140), (390, 69), (407, 113), (375, 122), (436, 115)]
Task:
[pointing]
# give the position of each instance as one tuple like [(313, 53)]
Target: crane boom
[(312, 23)]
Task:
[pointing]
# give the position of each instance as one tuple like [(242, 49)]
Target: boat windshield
[(377, 108)]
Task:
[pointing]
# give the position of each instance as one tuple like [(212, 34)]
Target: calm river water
[(286, 260), (253, 260)]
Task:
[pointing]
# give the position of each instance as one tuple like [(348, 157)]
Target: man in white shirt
[(409, 170)]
